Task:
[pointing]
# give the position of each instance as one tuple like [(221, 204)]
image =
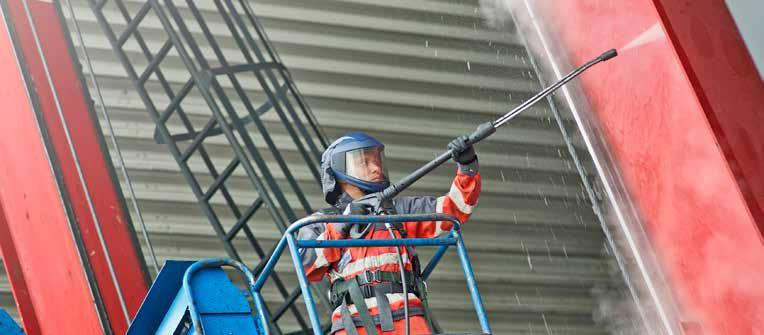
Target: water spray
[(488, 128), (651, 34)]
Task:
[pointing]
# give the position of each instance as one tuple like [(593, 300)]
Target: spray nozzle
[(607, 55)]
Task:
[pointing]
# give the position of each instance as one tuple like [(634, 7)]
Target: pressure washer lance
[(486, 129)]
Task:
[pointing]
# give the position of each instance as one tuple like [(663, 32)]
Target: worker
[(366, 285)]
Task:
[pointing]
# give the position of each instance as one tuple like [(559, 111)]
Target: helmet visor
[(367, 164)]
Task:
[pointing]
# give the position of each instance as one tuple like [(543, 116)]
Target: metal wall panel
[(415, 74)]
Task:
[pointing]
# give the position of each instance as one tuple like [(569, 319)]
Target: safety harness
[(377, 284)]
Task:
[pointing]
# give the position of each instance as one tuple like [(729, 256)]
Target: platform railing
[(288, 240)]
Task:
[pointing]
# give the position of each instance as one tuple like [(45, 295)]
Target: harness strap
[(385, 314), (347, 321), (415, 310), (363, 310), (388, 282), (431, 324)]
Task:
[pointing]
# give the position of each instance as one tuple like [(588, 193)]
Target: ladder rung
[(221, 178), (155, 62), (243, 220), (133, 25)]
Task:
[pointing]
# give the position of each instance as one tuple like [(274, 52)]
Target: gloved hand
[(369, 204), (462, 152)]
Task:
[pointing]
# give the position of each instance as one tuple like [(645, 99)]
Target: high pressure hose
[(403, 278)]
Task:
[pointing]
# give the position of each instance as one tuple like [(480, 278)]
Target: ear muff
[(328, 181)]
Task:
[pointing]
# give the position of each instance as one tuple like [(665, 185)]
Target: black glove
[(462, 152), (369, 204)]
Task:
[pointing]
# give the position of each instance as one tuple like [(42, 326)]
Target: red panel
[(657, 125), (12, 265), (728, 86), (46, 280), (86, 139)]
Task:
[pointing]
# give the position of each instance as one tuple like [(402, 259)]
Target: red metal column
[(65, 248), (680, 109), (727, 85)]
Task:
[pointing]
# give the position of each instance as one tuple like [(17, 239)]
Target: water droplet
[(426, 43), (468, 66), (546, 325), (503, 180), (530, 264)]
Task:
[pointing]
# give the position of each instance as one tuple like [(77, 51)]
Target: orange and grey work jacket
[(346, 264)]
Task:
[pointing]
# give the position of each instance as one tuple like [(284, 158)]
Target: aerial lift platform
[(199, 298)]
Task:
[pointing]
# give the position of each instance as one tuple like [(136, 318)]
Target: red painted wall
[(727, 85), (662, 123)]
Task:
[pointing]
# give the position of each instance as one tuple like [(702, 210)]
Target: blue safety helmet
[(357, 159)]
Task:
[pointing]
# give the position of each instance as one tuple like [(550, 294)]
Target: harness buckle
[(372, 277)]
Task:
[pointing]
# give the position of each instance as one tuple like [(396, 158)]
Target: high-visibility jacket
[(346, 263)]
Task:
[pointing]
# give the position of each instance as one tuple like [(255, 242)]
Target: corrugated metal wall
[(415, 74)]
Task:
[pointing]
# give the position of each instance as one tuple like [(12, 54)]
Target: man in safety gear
[(367, 290)]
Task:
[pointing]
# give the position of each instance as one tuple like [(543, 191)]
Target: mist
[(617, 311)]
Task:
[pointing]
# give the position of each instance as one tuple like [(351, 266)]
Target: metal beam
[(63, 211)]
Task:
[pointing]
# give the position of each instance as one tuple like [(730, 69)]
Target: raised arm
[(460, 202)]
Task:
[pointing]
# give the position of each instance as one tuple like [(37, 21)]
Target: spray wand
[(486, 129)]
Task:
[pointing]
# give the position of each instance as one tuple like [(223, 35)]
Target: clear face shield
[(367, 164)]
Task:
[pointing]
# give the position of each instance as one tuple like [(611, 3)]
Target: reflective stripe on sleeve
[(456, 196)]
